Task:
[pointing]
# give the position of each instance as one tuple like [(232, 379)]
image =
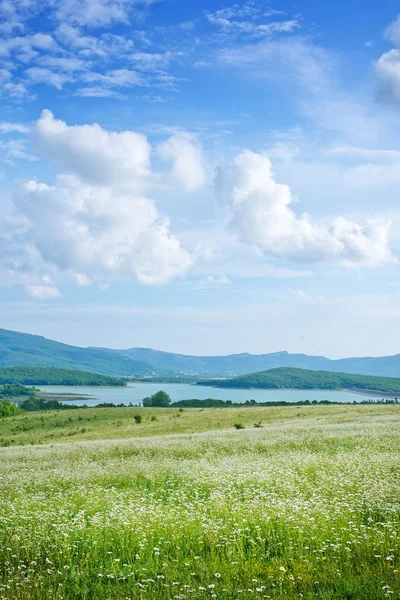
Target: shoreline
[(361, 392)]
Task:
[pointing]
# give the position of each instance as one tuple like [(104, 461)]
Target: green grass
[(307, 506)]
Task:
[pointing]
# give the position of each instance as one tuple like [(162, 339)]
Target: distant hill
[(54, 376), (240, 364), (22, 349), (290, 378)]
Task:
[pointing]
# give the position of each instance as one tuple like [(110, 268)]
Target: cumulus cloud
[(187, 159), (259, 210), (97, 155), (96, 223), (96, 232)]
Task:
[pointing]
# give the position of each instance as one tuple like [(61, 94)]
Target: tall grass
[(296, 509)]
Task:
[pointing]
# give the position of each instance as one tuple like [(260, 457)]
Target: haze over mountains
[(17, 349), (242, 364)]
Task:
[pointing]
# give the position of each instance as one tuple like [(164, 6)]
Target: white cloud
[(96, 232), (43, 292), (388, 72), (6, 127), (116, 78), (96, 224), (250, 19), (54, 78), (96, 13), (392, 32), (96, 155), (258, 209), (27, 47), (68, 64), (15, 149), (187, 158), (97, 92)]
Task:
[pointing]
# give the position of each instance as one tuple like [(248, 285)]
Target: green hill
[(290, 378), (22, 349), (54, 376)]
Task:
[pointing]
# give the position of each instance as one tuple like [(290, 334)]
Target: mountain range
[(242, 364), (18, 349)]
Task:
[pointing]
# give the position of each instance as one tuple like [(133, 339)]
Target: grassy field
[(185, 506)]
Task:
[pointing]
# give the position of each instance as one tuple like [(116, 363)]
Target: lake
[(135, 392)]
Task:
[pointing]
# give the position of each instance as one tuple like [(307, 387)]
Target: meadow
[(183, 505)]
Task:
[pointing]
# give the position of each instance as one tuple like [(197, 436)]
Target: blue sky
[(201, 177)]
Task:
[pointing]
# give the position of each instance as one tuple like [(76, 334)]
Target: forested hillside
[(288, 378), (22, 349), (54, 376)]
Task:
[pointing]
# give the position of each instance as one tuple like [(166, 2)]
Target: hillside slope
[(22, 349), (289, 378), (54, 376), (240, 364)]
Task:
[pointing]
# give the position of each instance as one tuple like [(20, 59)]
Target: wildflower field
[(305, 506)]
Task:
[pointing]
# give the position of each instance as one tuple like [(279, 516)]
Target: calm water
[(135, 393)]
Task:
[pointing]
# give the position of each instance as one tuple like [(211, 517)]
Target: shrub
[(8, 409), (258, 425), (238, 426), (138, 418)]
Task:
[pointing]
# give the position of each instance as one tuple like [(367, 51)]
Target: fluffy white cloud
[(258, 209), (97, 232), (95, 223), (98, 156), (187, 158)]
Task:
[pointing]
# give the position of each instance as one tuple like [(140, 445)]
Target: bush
[(161, 399), (138, 419), (238, 426), (153, 418), (33, 403), (258, 425), (8, 409)]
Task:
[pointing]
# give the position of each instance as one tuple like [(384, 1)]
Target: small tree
[(161, 399)]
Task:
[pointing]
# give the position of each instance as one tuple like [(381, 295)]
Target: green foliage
[(238, 426), (8, 409), (206, 403), (289, 378), (138, 419), (33, 404), (14, 390), (161, 399), (53, 376)]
